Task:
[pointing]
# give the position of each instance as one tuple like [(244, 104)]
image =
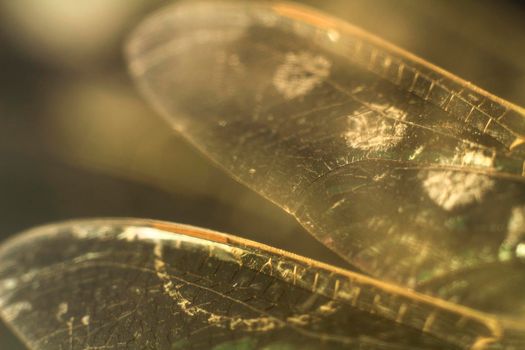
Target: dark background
[(76, 140)]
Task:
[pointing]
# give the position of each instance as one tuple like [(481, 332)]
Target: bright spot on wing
[(300, 73), (371, 130), (452, 189)]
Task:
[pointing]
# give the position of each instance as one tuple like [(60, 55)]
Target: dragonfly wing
[(115, 284), (405, 170)]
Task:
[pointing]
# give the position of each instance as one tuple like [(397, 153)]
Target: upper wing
[(405, 170), (139, 284)]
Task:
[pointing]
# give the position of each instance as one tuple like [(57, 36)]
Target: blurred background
[(76, 140)]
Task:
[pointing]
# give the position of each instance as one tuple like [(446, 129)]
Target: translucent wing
[(138, 284), (409, 173)]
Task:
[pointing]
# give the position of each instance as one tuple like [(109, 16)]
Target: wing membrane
[(121, 284), (405, 170)]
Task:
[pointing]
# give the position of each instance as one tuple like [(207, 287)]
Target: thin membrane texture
[(406, 171), (139, 284)]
